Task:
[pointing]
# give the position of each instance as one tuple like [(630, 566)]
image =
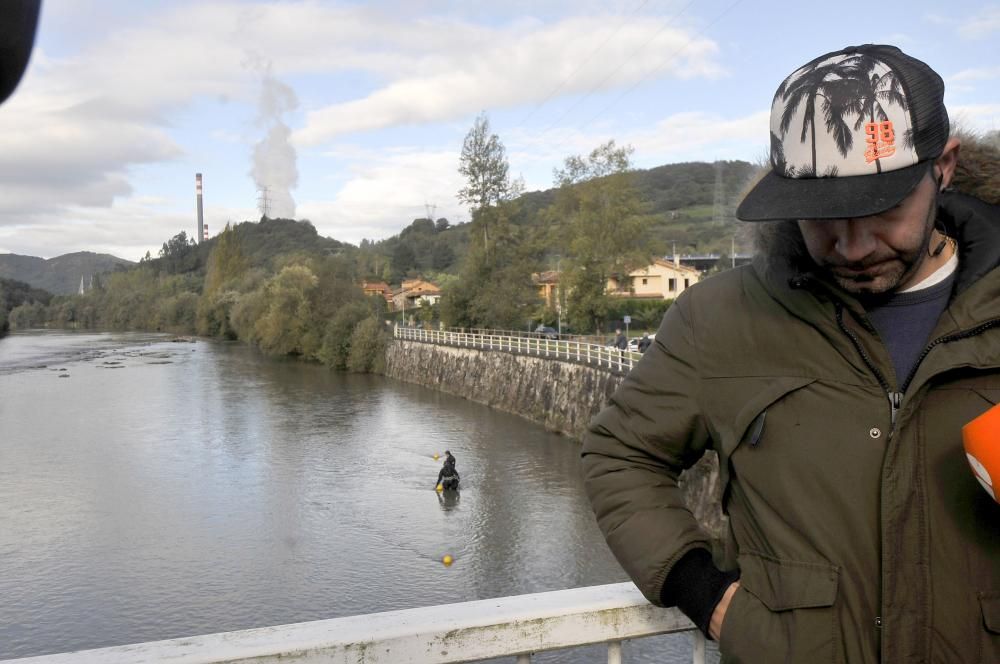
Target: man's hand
[(715, 624)]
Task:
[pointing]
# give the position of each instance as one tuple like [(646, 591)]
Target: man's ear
[(944, 166)]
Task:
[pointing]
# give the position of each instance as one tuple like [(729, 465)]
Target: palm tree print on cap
[(861, 105)]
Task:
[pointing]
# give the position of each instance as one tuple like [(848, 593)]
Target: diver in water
[(448, 477)]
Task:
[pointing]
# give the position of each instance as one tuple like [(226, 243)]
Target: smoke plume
[(274, 160)]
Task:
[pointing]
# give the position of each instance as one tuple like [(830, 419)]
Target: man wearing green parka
[(832, 377)]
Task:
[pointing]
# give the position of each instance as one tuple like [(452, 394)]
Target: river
[(152, 489)]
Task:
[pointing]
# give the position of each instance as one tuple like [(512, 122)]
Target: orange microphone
[(981, 438)]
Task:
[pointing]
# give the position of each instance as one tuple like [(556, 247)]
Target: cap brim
[(776, 197)]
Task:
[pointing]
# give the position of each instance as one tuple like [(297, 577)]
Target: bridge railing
[(450, 633), (605, 357)]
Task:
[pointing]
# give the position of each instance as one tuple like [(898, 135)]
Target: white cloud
[(976, 117), (983, 24), (975, 74), (507, 68), (387, 193)]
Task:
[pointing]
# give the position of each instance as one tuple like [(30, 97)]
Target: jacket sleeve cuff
[(695, 586)]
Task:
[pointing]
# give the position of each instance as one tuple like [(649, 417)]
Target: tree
[(442, 256), (226, 262), (368, 342), (178, 254), (403, 260), (285, 326), (484, 165), (600, 212), (494, 289)]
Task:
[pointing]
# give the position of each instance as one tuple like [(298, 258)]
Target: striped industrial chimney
[(201, 218)]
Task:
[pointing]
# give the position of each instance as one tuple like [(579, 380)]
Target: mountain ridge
[(59, 275)]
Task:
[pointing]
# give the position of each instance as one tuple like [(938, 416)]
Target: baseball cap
[(851, 134)]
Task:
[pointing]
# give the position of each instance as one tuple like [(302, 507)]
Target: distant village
[(664, 279)]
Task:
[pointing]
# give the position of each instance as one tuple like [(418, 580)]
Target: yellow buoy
[(436, 456), (447, 560), (439, 488)]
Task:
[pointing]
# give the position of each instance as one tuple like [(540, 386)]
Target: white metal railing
[(449, 633), (605, 357)]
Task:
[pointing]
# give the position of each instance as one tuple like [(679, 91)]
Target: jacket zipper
[(895, 398), (954, 336)]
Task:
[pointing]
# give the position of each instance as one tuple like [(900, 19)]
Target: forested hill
[(670, 188), (60, 275), (262, 243), (679, 201)]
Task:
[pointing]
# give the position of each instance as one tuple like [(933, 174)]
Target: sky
[(352, 115)]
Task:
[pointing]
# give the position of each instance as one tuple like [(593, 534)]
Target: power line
[(587, 59)]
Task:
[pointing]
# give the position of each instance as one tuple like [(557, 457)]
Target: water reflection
[(448, 499)]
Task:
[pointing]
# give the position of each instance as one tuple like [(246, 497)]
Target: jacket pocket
[(990, 605), (784, 611), (750, 422)]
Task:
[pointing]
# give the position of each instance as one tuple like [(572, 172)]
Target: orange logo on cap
[(881, 139)]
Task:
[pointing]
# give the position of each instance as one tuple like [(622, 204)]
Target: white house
[(661, 280)]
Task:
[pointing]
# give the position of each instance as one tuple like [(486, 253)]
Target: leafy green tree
[(226, 261), (177, 313), (284, 327), (484, 165), (179, 254), (602, 227), (17, 294), (403, 260), (245, 313), (213, 312), (27, 315), (494, 289), (368, 344), (426, 312), (336, 347)]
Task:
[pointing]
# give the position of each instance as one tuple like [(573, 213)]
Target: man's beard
[(892, 267)]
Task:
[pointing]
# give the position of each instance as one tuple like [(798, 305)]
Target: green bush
[(646, 314), (336, 347), (368, 343)]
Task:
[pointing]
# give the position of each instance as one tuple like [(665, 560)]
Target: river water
[(151, 489)]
